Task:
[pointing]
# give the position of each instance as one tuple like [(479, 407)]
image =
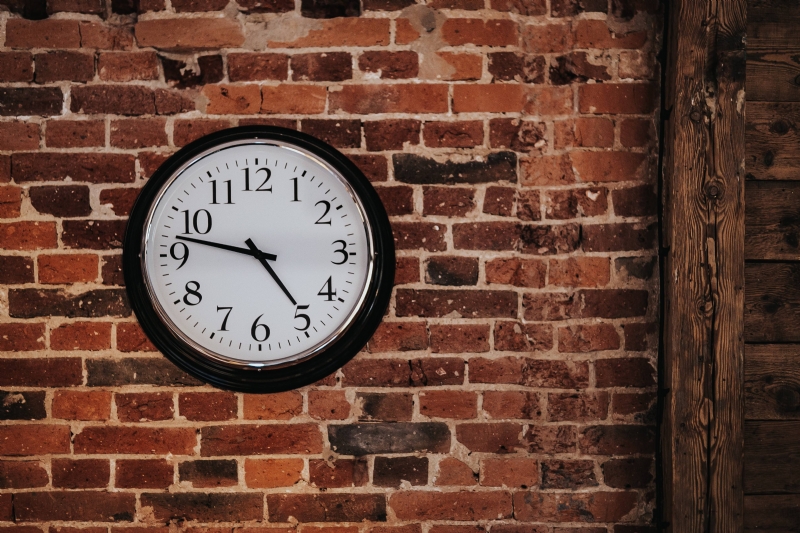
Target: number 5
[(303, 316)]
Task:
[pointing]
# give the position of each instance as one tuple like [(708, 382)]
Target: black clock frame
[(266, 379)]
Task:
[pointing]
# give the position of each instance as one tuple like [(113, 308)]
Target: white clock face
[(257, 253)]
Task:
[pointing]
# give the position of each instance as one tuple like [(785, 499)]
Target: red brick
[(75, 133), (391, 134), (512, 404), (19, 135), (617, 237), (390, 407), (463, 134), (271, 473), (341, 31), (510, 472), (624, 373), (71, 268), (105, 37), (395, 98), (516, 337), (208, 405), (454, 472), (511, 66), (629, 98), (463, 506), (143, 474), (131, 338), (76, 506), (293, 99), (339, 473), (496, 437), (418, 235), (138, 132), (517, 272), (34, 439), (91, 336), (146, 406), (617, 440), (546, 170), (280, 406), (186, 131), (452, 338), (395, 471), (547, 39), (47, 372), (596, 34), (450, 270), (486, 236), (639, 337), (44, 101), (462, 67), (456, 303), (82, 405), (91, 168), (10, 201), (397, 200), (135, 440), (488, 98), (544, 100), (577, 407), (390, 65), (399, 336), (338, 133), (641, 201), (256, 67), (551, 439), (523, 7), (437, 371), (576, 203), (642, 405), (591, 132), (330, 66), (205, 507), (571, 507), (376, 373), (328, 405), (260, 440), (27, 235), (609, 166), (16, 66), (63, 66), (580, 272), (16, 269), (448, 404), (448, 201), (499, 201), (201, 33), (232, 99), (635, 132), (633, 472), (480, 32), (61, 201), (127, 66), (48, 33), (588, 338), (561, 474), (81, 473), (22, 475), (530, 372)]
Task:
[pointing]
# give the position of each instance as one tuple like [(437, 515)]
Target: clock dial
[(257, 253)]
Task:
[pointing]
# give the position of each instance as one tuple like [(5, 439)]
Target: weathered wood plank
[(774, 513), (783, 11), (773, 141), (772, 220), (703, 176), (773, 76), (772, 382), (772, 302), (772, 457), (768, 36)]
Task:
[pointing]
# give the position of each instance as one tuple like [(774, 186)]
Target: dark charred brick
[(339, 133), (576, 67), (22, 405), (328, 9), (198, 5), (74, 506), (136, 371), (266, 6), (498, 166), (451, 270), (392, 471), (510, 66), (61, 201), (436, 372), (16, 269), (387, 5), (558, 474), (541, 240), (342, 473), (209, 473), (81, 473), (90, 7), (338, 507), (111, 270), (447, 201), (640, 201), (93, 234), (44, 101), (29, 9), (516, 134), (635, 267), (617, 237), (205, 507), (63, 66), (499, 201), (388, 407), (570, 8), (613, 303), (391, 65), (92, 168), (628, 473), (330, 66), (178, 74), (113, 99), (467, 304), (617, 440), (30, 303), (391, 134), (124, 7), (639, 337), (627, 9), (398, 437), (397, 200)]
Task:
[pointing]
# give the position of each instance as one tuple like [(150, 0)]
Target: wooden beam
[(703, 274)]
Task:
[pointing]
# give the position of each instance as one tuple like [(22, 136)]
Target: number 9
[(183, 257)]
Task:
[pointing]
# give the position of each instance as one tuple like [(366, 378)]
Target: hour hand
[(259, 255), (246, 251)]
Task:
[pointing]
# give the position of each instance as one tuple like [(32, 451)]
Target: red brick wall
[(511, 387)]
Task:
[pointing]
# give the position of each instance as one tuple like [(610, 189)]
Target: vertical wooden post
[(703, 276)]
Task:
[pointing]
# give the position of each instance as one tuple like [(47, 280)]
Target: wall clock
[(258, 259)]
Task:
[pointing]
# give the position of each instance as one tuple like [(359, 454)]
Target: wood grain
[(772, 382), (773, 141), (772, 457), (773, 76), (703, 272), (772, 220), (773, 513), (772, 302), (783, 11)]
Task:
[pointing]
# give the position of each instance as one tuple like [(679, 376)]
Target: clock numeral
[(327, 290), (343, 251), (295, 190), (195, 220), (303, 316), (224, 325), (327, 208), (214, 191), (192, 292), (183, 257), (260, 188), (254, 330)]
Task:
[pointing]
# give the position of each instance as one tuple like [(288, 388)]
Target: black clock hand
[(261, 256), (245, 251)]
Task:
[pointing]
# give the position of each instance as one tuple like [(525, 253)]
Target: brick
[(641, 201), (418, 235), (293, 99), (518, 272), (82, 405), (201, 33), (19, 135), (271, 473), (260, 440), (339, 507), (72, 268), (90, 336), (499, 201), (395, 98), (609, 166), (438, 371), (266, 6), (462, 134), (512, 66), (373, 166), (49, 33), (617, 237), (457, 4), (183, 74), (186, 131), (596, 34), (44, 101), (397, 200), (205, 507), (111, 270), (143, 474), (454, 472), (113, 99), (530, 372), (209, 473), (540, 240), (588, 338), (632, 472), (330, 66), (281, 406), (48, 372), (461, 303), (328, 405), (138, 133), (512, 404), (75, 133), (135, 440), (617, 440), (15, 269), (340, 473), (144, 406), (451, 270), (522, 7), (93, 234), (344, 32), (131, 338), (96, 7), (396, 437), (579, 67), (570, 8), (544, 100), (463, 506), (63, 66), (594, 132), (16, 66), (414, 169), (74, 506), (326, 9), (461, 67), (392, 471), (560, 474), (208, 406), (91, 168), (390, 65), (570, 507), (516, 337), (35, 439), (497, 437), (127, 66), (232, 99), (448, 404), (10, 201), (509, 472), (488, 98), (391, 134), (338, 133), (635, 132), (624, 373), (386, 5), (379, 407), (551, 439), (640, 405), (257, 67), (81, 473), (576, 203), (546, 171), (577, 407), (628, 98), (520, 135), (548, 38), (61, 201), (579, 272), (495, 236), (22, 405), (480, 32), (22, 475), (639, 337), (105, 37), (399, 336), (451, 338), (27, 235), (182, 6), (447, 201)]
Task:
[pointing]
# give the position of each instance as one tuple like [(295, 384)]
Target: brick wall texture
[(511, 387)]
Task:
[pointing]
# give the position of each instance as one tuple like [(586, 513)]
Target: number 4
[(330, 293)]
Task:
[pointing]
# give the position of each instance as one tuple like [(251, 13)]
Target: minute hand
[(246, 251), (260, 256)]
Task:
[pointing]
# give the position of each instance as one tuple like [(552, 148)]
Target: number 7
[(224, 320)]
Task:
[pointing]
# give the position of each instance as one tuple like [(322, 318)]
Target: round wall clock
[(258, 259)]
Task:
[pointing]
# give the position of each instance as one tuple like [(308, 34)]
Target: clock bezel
[(219, 370)]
